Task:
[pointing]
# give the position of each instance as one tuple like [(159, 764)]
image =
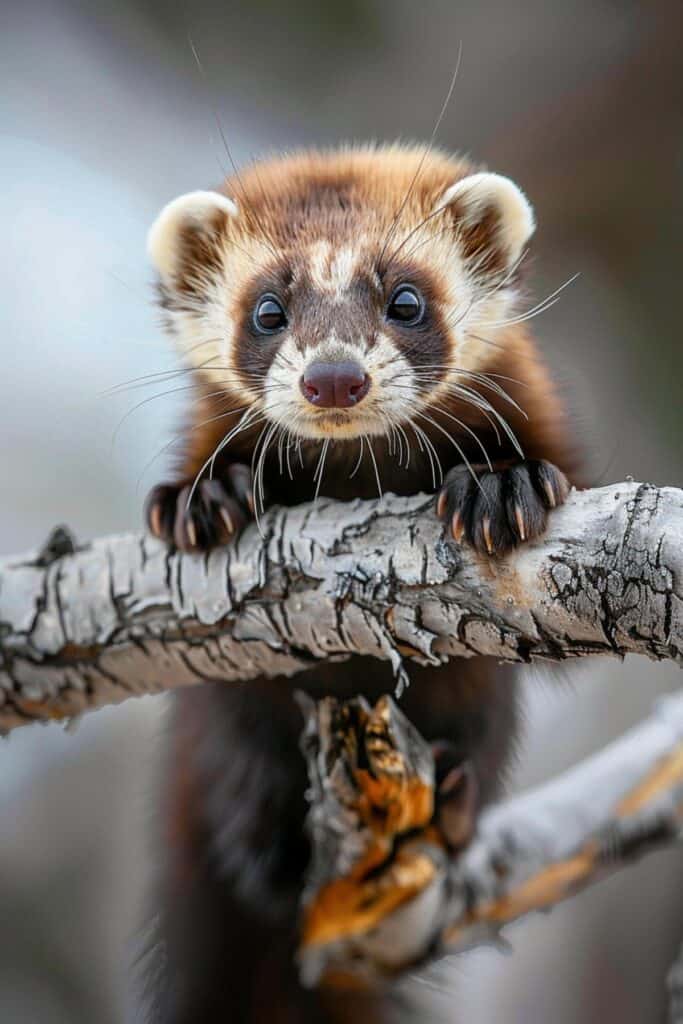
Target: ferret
[(352, 326)]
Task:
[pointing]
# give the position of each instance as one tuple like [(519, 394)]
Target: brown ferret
[(351, 323)]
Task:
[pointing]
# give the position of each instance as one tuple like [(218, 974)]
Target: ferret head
[(340, 294)]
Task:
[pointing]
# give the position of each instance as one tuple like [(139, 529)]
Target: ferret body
[(351, 323)]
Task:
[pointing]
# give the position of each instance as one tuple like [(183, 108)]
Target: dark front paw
[(203, 518), (494, 511)]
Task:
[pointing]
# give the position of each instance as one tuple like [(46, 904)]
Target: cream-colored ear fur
[(477, 193), (193, 208)]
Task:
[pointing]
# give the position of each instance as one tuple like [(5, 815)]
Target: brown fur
[(236, 847)]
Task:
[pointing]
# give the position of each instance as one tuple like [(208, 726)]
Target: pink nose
[(335, 385)]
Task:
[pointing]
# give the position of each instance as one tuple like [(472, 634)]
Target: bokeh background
[(105, 116)]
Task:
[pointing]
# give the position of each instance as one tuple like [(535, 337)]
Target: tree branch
[(123, 616), (385, 890)]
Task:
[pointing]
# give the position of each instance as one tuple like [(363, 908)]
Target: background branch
[(380, 902), (124, 616)]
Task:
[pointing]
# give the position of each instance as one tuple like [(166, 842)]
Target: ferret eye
[(269, 316), (406, 305)]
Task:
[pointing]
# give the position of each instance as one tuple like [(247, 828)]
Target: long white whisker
[(419, 435), (469, 430), (288, 444), (360, 458), (247, 420), (485, 406), (450, 437), (210, 461), (257, 472), (539, 308), (374, 463), (398, 444), (280, 453), (474, 398), (424, 156), (480, 378), (182, 437), (320, 467)]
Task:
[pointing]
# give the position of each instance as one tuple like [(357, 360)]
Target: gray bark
[(123, 616)]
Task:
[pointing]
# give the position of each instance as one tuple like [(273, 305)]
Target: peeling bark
[(123, 616), (416, 900)]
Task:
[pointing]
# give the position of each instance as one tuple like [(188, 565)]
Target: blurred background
[(104, 117)]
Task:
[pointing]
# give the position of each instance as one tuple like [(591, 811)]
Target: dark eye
[(269, 316), (406, 305)]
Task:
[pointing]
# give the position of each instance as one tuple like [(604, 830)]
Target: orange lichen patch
[(54, 710), (391, 799), (393, 805), (408, 651), (507, 585), (347, 907), (548, 887), (667, 774), (402, 647)]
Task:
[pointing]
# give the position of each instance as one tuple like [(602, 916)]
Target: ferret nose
[(335, 385)]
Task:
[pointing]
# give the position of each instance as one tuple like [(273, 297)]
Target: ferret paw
[(217, 510), (500, 509)]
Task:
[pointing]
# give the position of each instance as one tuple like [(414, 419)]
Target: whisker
[(320, 467), (182, 437), (430, 443), (210, 461), (280, 452), (487, 341), (403, 433), (288, 445), (426, 445), (413, 231), (469, 430), (262, 462), (145, 401), (483, 404), (374, 464), (482, 379), (160, 377), (245, 421), (398, 444), (228, 151), (174, 371), (258, 454), (360, 457), (424, 241), (424, 156), (454, 368), (541, 307), (450, 437)]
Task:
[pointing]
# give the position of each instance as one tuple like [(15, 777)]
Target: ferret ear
[(188, 226), (493, 219)]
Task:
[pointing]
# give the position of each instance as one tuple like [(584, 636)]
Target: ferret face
[(341, 295)]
